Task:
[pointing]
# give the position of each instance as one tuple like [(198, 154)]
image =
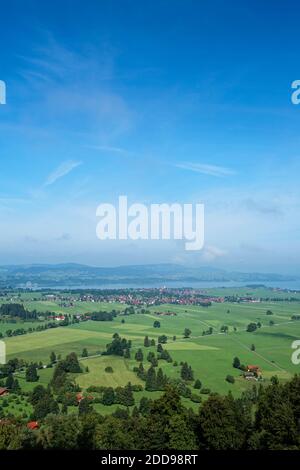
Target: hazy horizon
[(207, 267)]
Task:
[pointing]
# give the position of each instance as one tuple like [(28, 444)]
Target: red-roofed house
[(33, 425), (255, 369), (3, 391)]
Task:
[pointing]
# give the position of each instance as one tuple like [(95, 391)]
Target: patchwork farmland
[(209, 355)]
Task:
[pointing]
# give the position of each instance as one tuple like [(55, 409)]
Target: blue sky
[(164, 101)]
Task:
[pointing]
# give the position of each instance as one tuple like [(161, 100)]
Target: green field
[(6, 325), (18, 406), (210, 356), (97, 375)]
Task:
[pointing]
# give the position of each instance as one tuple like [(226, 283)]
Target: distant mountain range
[(67, 275)]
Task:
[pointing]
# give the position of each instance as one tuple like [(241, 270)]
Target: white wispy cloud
[(211, 253), (62, 170), (206, 169), (107, 148)]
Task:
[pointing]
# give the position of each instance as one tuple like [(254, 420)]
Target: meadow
[(210, 356)]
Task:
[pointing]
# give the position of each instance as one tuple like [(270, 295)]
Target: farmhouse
[(254, 369), (249, 376), (3, 391), (60, 318)]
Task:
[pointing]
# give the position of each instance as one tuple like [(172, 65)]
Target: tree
[(197, 384), (159, 348), (186, 372), (64, 409), (150, 356), (10, 436), (39, 392), (71, 363), (52, 357), (165, 355), (223, 424), (236, 363), (252, 347), (151, 379), (179, 433), (187, 333), (128, 395), (59, 378), (127, 353), (168, 426), (146, 342), (144, 407), (84, 406), (9, 381), (102, 316), (160, 380), (45, 406), (274, 380), (139, 355), (84, 353), (162, 339), (113, 434), (60, 432), (16, 386), (156, 324), (141, 372), (108, 396), (117, 346), (275, 421), (31, 374), (251, 327)]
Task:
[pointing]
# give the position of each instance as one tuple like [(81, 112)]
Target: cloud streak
[(105, 148), (62, 170), (205, 169)]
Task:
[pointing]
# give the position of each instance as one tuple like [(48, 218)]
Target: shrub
[(230, 379), (197, 384), (196, 398)]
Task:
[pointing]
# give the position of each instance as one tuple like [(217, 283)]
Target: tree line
[(263, 418)]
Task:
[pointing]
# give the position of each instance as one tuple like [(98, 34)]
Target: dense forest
[(17, 311), (265, 418)]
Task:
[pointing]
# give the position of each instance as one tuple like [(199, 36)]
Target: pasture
[(210, 356)]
